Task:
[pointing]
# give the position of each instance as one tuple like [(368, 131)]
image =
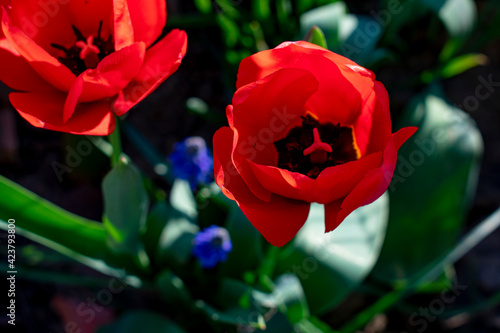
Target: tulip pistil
[(89, 52), (318, 150), (312, 147)]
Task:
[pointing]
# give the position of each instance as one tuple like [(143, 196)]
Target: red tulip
[(77, 63), (306, 125)]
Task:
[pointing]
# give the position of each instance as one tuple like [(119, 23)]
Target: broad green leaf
[(331, 265), (247, 243), (173, 289), (176, 240), (204, 6), (316, 36), (312, 325), (233, 292), (104, 264), (458, 16), (288, 297), (155, 223), (40, 217), (433, 185), (288, 291), (125, 207), (182, 199), (233, 316), (141, 321)]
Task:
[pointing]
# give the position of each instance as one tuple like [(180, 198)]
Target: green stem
[(115, 140), (468, 242), (266, 270)]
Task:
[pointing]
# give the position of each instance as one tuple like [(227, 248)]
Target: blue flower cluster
[(211, 246), (191, 160)]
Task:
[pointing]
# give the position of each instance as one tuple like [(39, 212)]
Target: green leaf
[(463, 63), (204, 6), (176, 240), (288, 291), (246, 240), (313, 325), (327, 18), (316, 36), (230, 29), (433, 185), (172, 289), (155, 223), (353, 36), (331, 265), (141, 321), (429, 272), (261, 9), (125, 207), (40, 217), (233, 316), (283, 12), (182, 199), (458, 16)]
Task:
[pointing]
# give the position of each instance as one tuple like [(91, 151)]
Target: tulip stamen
[(86, 52)]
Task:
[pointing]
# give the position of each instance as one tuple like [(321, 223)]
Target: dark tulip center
[(312, 147), (87, 52)]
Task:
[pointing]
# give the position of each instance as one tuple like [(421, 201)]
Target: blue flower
[(191, 160), (211, 246)]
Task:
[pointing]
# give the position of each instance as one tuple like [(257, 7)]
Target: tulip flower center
[(312, 147), (87, 52)]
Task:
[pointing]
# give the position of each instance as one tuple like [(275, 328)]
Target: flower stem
[(115, 140)]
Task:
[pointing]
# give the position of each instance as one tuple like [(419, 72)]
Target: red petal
[(124, 31), (333, 183), (148, 19), (332, 210), (285, 183), (336, 182), (376, 181), (372, 129), (340, 79), (263, 113), (16, 72), (263, 63), (113, 73), (45, 110), (87, 15), (45, 22), (48, 67), (161, 61), (278, 220), (275, 102), (72, 99)]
